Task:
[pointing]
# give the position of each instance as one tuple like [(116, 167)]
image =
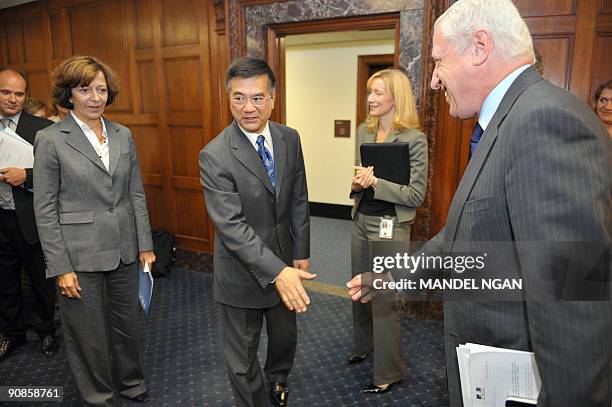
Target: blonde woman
[(392, 118)]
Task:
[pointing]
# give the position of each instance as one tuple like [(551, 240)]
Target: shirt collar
[(253, 136), (84, 125), (491, 103), (14, 118)]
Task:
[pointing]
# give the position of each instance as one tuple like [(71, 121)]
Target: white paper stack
[(14, 150), (489, 375)]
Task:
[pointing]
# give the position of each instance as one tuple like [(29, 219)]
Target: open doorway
[(323, 82)]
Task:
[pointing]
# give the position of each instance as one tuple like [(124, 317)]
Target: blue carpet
[(184, 367), (330, 250)]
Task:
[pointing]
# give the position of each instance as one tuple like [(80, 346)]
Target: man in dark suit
[(539, 176), (19, 244), (254, 185)]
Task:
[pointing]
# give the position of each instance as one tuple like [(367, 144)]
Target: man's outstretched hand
[(361, 288), (290, 288)]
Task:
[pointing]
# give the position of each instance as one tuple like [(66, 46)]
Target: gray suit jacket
[(405, 197), (88, 218), (259, 230), (541, 173)]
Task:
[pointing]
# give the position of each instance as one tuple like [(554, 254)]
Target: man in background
[(19, 245), (254, 185), (539, 174)]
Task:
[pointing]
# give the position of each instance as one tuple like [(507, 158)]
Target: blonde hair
[(399, 88)]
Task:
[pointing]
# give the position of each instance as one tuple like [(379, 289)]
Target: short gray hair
[(510, 33)]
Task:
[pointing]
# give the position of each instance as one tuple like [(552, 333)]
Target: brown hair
[(600, 89), (80, 70)]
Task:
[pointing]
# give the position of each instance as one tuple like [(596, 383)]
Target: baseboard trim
[(334, 211)]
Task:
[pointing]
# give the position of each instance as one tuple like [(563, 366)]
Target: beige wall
[(321, 83)]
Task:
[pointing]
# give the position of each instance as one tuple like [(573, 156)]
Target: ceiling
[(339, 36)]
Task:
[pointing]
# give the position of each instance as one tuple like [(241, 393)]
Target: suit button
[(111, 210)]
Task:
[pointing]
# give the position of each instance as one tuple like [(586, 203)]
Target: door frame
[(363, 68), (275, 34)]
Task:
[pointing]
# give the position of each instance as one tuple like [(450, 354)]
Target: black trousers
[(241, 329), (15, 254)]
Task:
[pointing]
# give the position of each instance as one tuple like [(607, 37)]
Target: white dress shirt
[(267, 138), (101, 149), (494, 98), (6, 193)]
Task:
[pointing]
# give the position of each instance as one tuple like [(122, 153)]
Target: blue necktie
[(476, 134), (266, 159)]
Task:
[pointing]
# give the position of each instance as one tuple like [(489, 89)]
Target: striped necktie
[(266, 159), (6, 123), (476, 135)]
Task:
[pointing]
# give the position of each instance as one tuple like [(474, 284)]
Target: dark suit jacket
[(259, 230), (27, 127), (89, 218), (541, 174)]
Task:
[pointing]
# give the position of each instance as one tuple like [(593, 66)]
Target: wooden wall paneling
[(182, 94), (132, 81), (580, 83), (4, 51), (38, 84), (556, 55), (219, 105), (205, 72), (143, 23), (529, 8), (33, 33), (169, 218), (192, 232), (60, 36), (147, 86), (605, 7), (48, 40), (219, 60), (602, 69), (14, 31), (146, 138), (106, 41), (186, 144), (179, 22), (155, 205)]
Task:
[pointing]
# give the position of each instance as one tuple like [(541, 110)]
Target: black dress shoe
[(372, 388), (141, 398), (357, 359), (7, 346), (49, 346), (279, 394)]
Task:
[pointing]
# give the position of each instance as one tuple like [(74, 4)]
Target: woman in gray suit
[(381, 205), (91, 214)]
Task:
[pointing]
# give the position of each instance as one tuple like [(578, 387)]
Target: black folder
[(391, 161)]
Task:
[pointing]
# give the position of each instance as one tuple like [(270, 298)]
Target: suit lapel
[(114, 145), (489, 137), (245, 153), (77, 140), (280, 154), (24, 127)]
